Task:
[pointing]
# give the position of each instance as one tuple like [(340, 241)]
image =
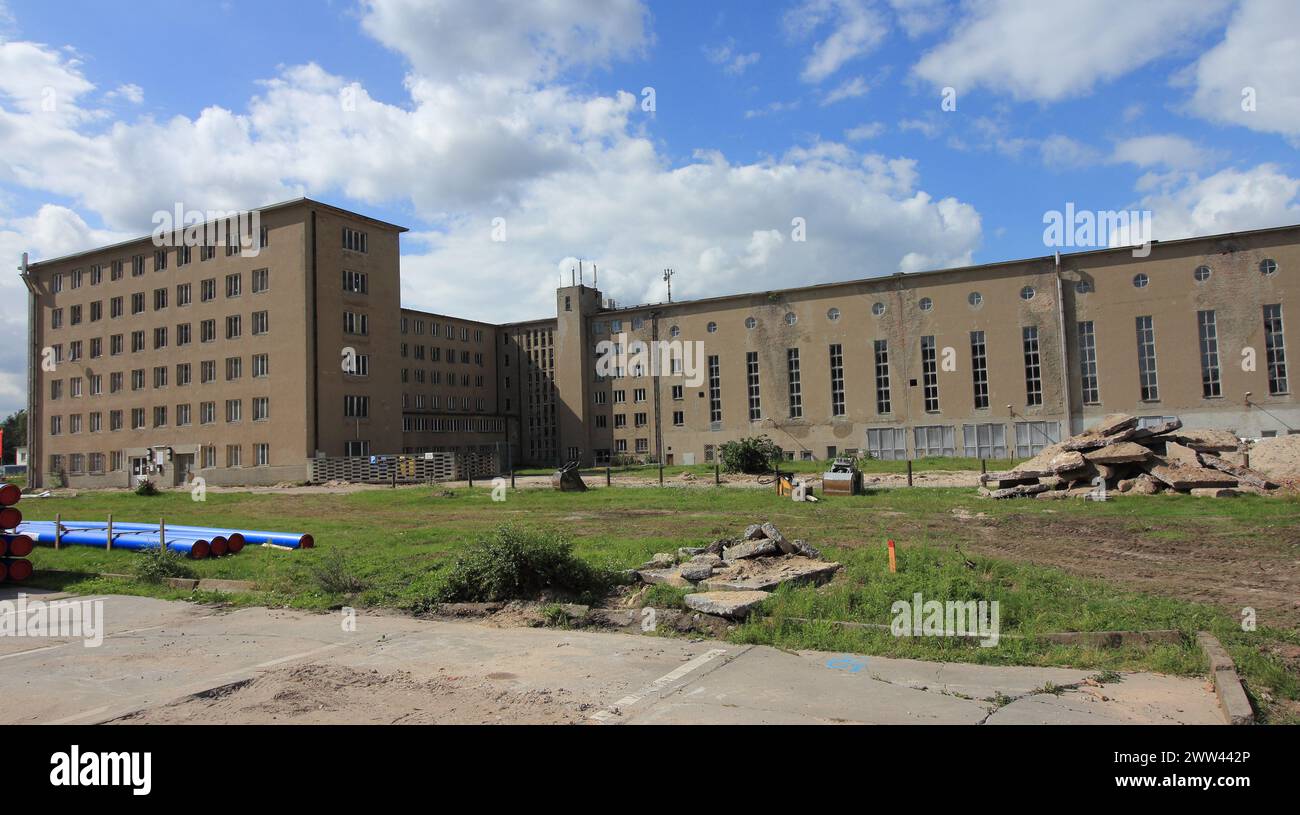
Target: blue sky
[(463, 111)]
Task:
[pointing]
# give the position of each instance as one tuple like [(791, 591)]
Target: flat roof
[(302, 201), (1109, 250)]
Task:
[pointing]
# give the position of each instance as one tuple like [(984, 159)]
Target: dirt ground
[(1213, 569), (335, 694)]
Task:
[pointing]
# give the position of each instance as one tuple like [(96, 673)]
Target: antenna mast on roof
[(668, 278)]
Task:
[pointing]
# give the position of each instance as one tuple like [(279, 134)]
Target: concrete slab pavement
[(164, 661)]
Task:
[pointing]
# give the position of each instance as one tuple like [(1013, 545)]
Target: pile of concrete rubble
[(1117, 455), (732, 576)]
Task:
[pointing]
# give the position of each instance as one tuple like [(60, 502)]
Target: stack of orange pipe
[(14, 548)]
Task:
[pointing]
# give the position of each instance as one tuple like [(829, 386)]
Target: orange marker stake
[(893, 564)]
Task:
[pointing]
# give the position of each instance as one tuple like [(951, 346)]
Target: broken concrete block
[(751, 575), (1215, 492), (1014, 492), (1180, 456), (1145, 485), (752, 532), (1112, 423), (1187, 478), (1245, 475), (707, 557), (750, 548), (1123, 452), (1206, 441), (695, 571), (807, 550), (660, 560), (773, 534), (1068, 461), (718, 545), (668, 577), (688, 552), (734, 605)]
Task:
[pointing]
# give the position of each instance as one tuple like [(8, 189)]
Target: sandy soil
[(334, 694)]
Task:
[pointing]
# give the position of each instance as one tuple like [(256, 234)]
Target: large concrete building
[(241, 369)]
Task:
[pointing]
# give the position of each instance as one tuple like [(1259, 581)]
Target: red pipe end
[(9, 494), (20, 570), (21, 546), (200, 550), (10, 518), (4, 571), (218, 546), (306, 541), (4, 546), (235, 542)]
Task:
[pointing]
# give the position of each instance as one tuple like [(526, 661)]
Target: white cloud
[(1261, 50), (733, 62), (848, 89), (862, 132), (772, 108), (1165, 150), (855, 30), (1185, 204), (1048, 51), (1064, 153), (920, 17), (131, 93), (505, 39)]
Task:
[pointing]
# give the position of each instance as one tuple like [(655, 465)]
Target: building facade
[(240, 367)]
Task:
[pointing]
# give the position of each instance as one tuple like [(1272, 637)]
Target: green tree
[(15, 432)]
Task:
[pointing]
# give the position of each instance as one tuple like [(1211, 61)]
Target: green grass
[(394, 548)]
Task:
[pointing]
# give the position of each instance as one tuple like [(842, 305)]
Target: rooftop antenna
[(580, 271), (593, 276), (668, 278)]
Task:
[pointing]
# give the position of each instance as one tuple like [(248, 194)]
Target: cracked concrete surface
[(167, 661)]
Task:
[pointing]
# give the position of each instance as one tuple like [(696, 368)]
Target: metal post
[(717, 474), (984, 466), (108, 541), (470, 479), (606, 475), (661, 473), (58, 523), (909, 472), (512, 478), (162, 536)]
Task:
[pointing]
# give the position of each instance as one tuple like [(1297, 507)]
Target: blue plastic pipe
[(77, 535), (293, 540)]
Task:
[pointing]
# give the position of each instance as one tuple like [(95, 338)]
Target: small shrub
[(333, 574), (518, 564), (662, 595), (751, 455), (156, 565), (146, 488)]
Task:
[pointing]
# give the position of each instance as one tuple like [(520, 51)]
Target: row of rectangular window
[(94, 421), (184, 297), (95, 463)]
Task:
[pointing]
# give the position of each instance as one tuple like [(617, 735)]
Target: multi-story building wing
[(241, 368)]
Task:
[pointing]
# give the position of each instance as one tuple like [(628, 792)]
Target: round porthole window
[(833, 314), (975, 299), (1083, 287), (750, 322), (1202, 274), (1140, 281), (674, 331), (877, 308), (790, 319), (712, 328), (1268, 266), (1027, 293), (925, 304)]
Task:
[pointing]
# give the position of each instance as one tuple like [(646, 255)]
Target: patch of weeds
[(513, 563), (1108, 677), (146, 489), (1050, 687), (555, 615), (999, 699), (662, 595), (334, 574), (156, 565)]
